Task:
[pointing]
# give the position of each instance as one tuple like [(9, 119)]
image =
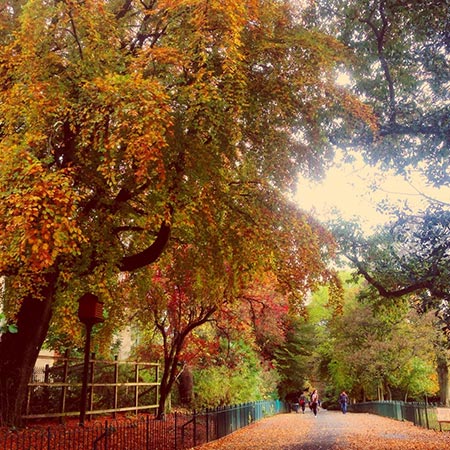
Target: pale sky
[(347, 189)]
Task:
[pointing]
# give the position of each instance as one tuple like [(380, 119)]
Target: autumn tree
[(243, 284), (384, 355), (400, 66), (182, 296), (122, 119), (407, 256), (268, 319)]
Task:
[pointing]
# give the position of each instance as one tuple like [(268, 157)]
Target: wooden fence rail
[(114, 386)]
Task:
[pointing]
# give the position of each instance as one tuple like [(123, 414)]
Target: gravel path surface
[(331, 430)]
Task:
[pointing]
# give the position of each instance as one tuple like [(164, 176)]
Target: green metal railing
[(216, 423), (419, 413)]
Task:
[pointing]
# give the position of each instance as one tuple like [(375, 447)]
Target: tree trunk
[(443, 374), (362, 395), (163, 395), (169, 376), (388, 391), (186, 383), (167, 380), (18, 352), (172, 353)]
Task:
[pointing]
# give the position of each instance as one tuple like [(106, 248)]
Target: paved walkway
[(331, 430)]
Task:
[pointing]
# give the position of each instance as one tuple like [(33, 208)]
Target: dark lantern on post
[(90, 312)]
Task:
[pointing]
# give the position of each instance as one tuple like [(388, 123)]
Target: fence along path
[(178, 431), (113, 386), (332, 430)]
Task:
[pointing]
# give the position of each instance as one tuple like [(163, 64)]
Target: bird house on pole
[(90, 309)]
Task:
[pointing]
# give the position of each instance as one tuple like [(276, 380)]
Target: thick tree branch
[(397, 130), (411, 129), (150, 254), (124, 9), (414, 287)]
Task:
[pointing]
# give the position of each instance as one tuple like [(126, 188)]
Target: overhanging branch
[(414, 287), (150, 254)]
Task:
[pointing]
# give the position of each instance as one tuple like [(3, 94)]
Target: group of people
[(314, 402)]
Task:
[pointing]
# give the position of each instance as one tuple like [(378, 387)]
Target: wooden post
[(46, 381), (27, 410), (90, 312), (62, 402), (87, 349), (157, 385), (116, 387), (136, 388), (91, 384)]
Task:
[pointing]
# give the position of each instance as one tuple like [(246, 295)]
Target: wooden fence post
[(136, 388), (62, 402), (157, 384)]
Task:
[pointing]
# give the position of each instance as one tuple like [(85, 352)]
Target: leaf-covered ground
[(332, 430)]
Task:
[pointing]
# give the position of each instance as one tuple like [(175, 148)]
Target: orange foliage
[(199, 113)]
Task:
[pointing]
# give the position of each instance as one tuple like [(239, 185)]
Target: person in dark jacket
[(343, 401)]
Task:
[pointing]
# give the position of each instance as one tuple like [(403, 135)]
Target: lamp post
[(90, 312)]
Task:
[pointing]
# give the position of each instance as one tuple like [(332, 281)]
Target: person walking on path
[(302, 401), (343, 401), (314, 402)]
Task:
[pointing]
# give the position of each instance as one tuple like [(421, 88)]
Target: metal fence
[(220, 422), (144, 432), (419, 413)]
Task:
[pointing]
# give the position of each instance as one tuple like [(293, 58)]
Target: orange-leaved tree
[(185, 289), (121, 119), (263, 265)]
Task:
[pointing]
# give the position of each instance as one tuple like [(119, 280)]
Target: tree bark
[(185, 388), (19, 351), (443, 379), (167, 381)]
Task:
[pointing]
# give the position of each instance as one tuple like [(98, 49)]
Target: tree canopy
[(401, 68), (126, 125), (374, 350)]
